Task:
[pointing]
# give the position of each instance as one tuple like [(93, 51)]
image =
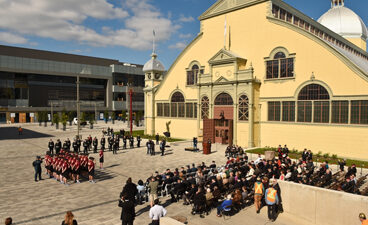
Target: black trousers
[(124, 222), (271, 212), (38, 173), (155, 222)]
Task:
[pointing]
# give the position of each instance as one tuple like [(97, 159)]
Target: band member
[(85, 146), (79, 143), (131, 141), (116, 145), (77, 165), (103, 141), (111, 143), (67, 144), (75, 147), (91, 170), (101, 158), (95, 143), (57, 146)]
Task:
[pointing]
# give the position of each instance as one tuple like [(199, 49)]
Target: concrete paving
[(46, 202)]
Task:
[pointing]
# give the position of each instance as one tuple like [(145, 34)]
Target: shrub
[(326, 155)]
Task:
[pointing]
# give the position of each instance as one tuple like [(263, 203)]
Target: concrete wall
[(322, 206)]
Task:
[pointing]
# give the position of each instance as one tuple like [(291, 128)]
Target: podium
[(206, 148)]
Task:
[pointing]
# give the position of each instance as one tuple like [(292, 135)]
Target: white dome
[(344, 22), (153, 64)]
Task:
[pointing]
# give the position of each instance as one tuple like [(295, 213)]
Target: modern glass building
[(33, 80)]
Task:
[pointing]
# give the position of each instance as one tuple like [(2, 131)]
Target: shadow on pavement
[(9, 133)]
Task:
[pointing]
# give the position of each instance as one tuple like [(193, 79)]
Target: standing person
[(124, 142), (156, 212), (148, 144), (57, 146), (116, 146), (37, 167), (139, 141), (131, 141), (195, 142), (85, 146), (75, 146), (130, 190), (162, 147), (153, 190), (103, 141), (20, 130), (101, 154), (8, 221), (79, 143), (91, 170), (279, 207), (95, 144), (77, 165), (258, 193), (152, 148), (111, 142), (67, 144), (69, 219), (51, 147), (157, 138), (272, 200), (127, 211), (363, 219)]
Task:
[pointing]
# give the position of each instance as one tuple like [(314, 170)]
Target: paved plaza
[(46, 202)]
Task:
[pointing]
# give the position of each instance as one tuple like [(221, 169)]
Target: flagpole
[(154, 35)]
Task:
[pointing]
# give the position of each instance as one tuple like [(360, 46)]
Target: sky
[(119, 29)]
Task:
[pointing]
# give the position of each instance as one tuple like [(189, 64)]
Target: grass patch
[(319, 157), (153, 137)]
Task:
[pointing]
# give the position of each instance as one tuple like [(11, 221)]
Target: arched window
[(205, 107), (316, 97), (281, 66), (243, 107), (177, 105), (313, 92), (223, 99), (177, 97), (192, 75)]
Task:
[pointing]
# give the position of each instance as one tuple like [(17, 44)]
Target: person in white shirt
[(156, 212)]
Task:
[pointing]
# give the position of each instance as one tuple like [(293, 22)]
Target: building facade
[(276, 77), (32, 81)]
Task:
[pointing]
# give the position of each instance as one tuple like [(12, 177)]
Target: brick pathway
[(46, 202)]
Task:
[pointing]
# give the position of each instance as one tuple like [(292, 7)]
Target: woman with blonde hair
[(69, 219)]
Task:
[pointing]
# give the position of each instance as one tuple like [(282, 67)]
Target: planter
[(64, 127), (70, 123), (105, 121), (40, 123), (45, 124), (57, 126), (113, 121), (91, 126)]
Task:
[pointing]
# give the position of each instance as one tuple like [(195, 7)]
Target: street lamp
[(78, 107)]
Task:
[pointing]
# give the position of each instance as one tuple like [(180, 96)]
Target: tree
[(64, 119), (124, 115), (56, 119), (84, 117), (70, 117), (91, 120)]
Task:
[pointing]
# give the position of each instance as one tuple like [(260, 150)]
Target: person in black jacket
[(127, 211), (37, 167), (130, 190), (51, 147)]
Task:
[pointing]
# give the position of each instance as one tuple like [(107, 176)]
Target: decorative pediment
[(224, 6), (225, 56), (221, 80)]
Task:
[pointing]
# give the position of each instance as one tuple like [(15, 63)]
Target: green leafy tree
[(91, 118), (106, 115), (64, 118), (124, 115), (84, 117), (70, 116), (113, 115), (56, 120)]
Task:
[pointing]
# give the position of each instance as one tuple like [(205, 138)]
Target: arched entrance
[(219, 129)]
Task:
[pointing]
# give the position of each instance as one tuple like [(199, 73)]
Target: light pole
[(78, 107), (52, 114), (131, 111), (96, 112)]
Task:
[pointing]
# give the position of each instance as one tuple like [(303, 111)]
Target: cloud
[(186, 19), (12, 38), (179, 45), (185, 36), (66, 21)]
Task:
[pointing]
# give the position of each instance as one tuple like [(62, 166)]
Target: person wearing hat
[(37, 167), (363, 219), (258, 193)]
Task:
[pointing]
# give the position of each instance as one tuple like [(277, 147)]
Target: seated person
[(199, 201), (188, 195), (209, 198), (225, 206)]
